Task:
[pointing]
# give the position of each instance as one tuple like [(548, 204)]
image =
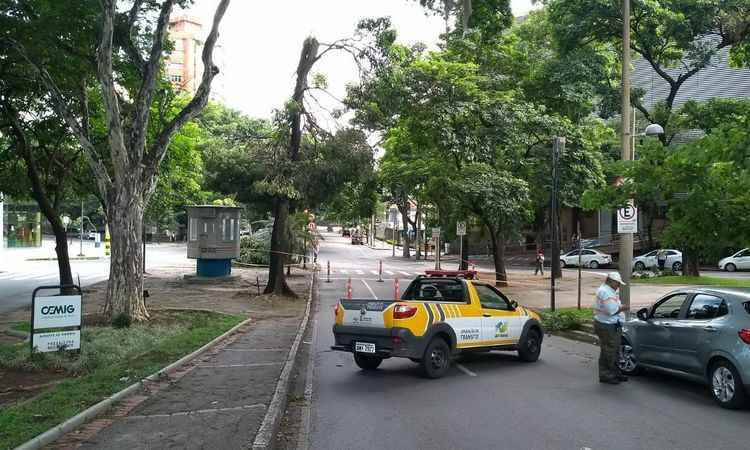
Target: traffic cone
[(349, 288), (396, 289)]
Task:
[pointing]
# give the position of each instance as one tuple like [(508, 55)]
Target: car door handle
[(486, 315), (710, 329)]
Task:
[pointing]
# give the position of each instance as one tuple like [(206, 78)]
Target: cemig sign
[(56, 321), (57, 312)]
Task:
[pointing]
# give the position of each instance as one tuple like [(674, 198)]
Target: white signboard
[(627, 219), (56, 340), (436, 233), (461, 229), (57, 312)]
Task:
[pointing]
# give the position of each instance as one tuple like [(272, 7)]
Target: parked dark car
[(700, 334)]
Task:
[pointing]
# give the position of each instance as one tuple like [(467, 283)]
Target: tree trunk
[(405, 221), (498, 257), (63, 258), (125, 220), (691, 263), (417, 228), (279, 248)]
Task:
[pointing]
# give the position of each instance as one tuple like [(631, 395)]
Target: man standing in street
[(539, 262), (608, 318)]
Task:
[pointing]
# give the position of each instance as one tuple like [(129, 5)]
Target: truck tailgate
[(365, 313)]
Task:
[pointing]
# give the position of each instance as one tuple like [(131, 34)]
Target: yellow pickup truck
[(438, 316)]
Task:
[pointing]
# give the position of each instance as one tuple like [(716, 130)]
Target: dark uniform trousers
[(610, 336)]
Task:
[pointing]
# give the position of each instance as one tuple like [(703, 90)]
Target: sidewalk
[(216, 401)]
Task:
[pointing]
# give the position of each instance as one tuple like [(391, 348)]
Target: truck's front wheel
[(437, 358), (367, 362), (530, 347)]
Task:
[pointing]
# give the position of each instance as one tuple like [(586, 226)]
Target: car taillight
[(404, 311), (744, 335)]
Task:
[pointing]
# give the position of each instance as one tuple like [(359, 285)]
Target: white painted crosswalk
[(368, 273)]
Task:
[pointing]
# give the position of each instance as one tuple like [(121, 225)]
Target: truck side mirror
[(642, 314), (513, 304)]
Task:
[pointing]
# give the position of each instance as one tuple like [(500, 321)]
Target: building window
[(175, 78), (193, 229)]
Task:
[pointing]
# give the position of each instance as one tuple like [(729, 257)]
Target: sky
[(260, 44)]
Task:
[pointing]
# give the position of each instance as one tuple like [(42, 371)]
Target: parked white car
[(738, 261), (649, 261), (589, 258)]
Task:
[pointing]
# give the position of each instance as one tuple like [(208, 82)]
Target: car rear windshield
[(435, 289)]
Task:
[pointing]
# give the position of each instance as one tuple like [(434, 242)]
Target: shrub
[(561, 320), (255, 248)]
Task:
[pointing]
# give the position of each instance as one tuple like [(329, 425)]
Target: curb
[(86, 415), (264, 438), (577, 335)]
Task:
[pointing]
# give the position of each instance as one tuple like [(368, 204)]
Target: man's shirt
[(607, 304)]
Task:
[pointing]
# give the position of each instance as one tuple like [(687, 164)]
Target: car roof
[(738, 293)]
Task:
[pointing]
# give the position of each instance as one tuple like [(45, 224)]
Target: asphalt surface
[(19, 276), (494, 400)]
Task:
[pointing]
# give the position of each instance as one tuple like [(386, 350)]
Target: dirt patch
[(16, 386)]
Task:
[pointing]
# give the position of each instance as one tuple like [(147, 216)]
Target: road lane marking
[(404, 273), (465, 370), (344, 271), (369, 289), (360, 272), (374, 272), (389, 272)]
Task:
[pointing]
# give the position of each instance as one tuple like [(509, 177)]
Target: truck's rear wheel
[(367, 362), (531, 346), (437, 358)]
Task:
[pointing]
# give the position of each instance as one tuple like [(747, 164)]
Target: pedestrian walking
[(608, 318), (661, 258), (539, 262)]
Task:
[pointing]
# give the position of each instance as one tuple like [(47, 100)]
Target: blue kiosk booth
[(213, 239)]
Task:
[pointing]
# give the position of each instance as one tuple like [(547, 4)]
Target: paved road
[(494, 400), (19, 276)]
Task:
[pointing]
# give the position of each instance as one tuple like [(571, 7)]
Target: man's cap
[(615, 276)]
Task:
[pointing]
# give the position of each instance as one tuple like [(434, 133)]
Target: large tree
[(677, 38), (128, 70)]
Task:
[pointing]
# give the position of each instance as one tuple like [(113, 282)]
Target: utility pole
[(626, 239), (580, 250)]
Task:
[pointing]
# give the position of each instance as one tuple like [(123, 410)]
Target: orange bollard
[(349, 288), (396, 289)]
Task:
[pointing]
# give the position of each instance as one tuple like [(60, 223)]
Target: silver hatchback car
[(701, 334)]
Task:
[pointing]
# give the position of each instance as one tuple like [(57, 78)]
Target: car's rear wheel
[(594, 264), (367, 362), (730, 267), (677, 266), (627, 362), (640, 267), (531, 346), (437, 358), (726, 385)]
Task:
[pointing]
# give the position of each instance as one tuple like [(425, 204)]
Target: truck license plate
[(364, 347)]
